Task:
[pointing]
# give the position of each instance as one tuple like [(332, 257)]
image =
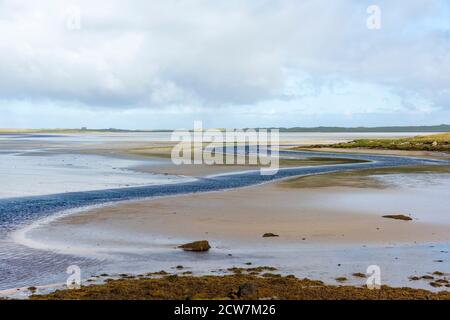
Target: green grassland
[(435, 142)]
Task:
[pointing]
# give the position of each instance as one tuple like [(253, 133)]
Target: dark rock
[(269, 234), (359, 275), (197, 246), (435, 284), (398, 217)]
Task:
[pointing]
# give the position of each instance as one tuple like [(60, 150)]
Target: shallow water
[(423, 196), (24, 175)]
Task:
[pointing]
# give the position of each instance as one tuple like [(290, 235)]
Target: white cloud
[(307, 57)]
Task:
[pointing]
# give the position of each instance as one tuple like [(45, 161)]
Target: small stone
[(269, 234), (341, 279), (442, 281), (359, 275), (398, 217), (435, 284)]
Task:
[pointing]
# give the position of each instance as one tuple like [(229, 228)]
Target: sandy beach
[(244, 215)]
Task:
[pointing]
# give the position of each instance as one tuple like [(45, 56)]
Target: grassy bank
[(435, 142), (234, 287), (358, 178)]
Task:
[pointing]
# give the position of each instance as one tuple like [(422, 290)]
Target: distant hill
[(82, 130), (438, 128)]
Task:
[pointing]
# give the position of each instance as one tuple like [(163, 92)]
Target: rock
[(359, 275), (32, 289), (442, 281), (158, 273), (269, 234), (197, 246), (247, 290), (435, 284), (438, 273), (179, 267), (398, 217), (341, 279), (414, 278)]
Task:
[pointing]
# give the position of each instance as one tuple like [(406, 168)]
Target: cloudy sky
[(163, 64)]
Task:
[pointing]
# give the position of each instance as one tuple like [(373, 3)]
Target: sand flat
[(243, 215)]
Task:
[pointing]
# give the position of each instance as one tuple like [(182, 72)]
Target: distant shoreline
[(321, 129)]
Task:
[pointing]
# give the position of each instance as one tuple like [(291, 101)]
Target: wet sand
[(297, 216)]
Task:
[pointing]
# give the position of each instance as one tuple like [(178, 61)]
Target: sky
[(163, 64)]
